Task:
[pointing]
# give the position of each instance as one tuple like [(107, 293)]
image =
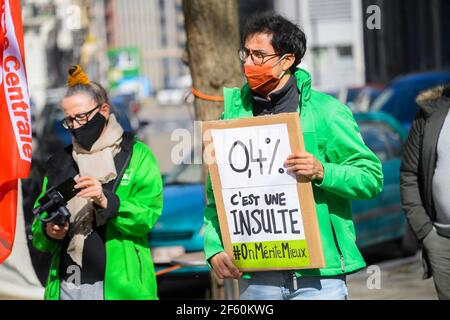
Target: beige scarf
[(97, 163)]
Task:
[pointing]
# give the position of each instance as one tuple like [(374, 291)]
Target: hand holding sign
[(306, 165)]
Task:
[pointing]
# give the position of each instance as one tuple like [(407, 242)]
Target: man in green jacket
[(337, 162)]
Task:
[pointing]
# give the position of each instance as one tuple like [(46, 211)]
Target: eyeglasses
[(257, 57), (81, 118)]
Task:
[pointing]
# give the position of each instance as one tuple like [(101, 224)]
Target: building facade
[(412, 37), (335, 48), (156, 28)]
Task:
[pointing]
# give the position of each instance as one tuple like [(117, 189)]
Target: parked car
[(376, 221), (382, 219), (399, 97), (180, 228), (366, 97), (180, 231), (348, 94)]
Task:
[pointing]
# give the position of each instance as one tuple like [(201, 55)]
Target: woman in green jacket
[(337, 162), (102, 251)]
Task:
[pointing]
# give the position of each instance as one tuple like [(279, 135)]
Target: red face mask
[(260, 78)]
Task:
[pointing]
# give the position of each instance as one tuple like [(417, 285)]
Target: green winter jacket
[(129, 270), (351, 171)]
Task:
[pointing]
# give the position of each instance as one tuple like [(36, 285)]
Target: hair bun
[(77, 76)]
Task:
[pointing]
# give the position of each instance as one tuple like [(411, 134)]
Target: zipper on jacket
[(342, 263), (341, 256), (140, 263)]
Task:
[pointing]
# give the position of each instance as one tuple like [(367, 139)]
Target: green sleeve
[(351, 169), (40, 240), (212, 235), (139, 212)]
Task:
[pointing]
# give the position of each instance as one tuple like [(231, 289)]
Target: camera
[(54, 203)]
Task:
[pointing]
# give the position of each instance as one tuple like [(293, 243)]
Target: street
[(401, 278)]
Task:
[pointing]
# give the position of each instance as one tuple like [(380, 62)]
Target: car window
[(382, 99)]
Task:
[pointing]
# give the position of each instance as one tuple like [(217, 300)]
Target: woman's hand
[(306, 165), (56, 231), (91, 189)]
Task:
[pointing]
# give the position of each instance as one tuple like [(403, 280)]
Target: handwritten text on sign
[(260, 198)]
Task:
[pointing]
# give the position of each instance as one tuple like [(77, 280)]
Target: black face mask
[(90, 132)]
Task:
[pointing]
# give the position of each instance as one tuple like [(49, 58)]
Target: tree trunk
[(212, 29)]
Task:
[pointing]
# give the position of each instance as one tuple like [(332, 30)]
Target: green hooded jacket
[(129, 270), (351, 171)]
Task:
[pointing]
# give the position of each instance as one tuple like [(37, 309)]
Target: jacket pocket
[(338, 248), (139, 263), (426, 266)]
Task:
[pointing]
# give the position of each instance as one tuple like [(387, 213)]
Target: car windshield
[(382, 99)]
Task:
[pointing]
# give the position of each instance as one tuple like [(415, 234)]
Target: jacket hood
[(431, 100)]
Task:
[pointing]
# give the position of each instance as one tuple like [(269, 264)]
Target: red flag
[(15, 120)]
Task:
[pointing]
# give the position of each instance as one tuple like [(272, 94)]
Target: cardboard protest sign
[(267, 216)]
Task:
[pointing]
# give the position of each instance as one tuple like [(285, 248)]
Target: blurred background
[(375, 56)]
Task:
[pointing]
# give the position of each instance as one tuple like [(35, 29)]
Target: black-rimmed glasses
[(81, 118), (257, 57)]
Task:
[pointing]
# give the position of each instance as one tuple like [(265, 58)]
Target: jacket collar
[(304, 84), (434, 99)]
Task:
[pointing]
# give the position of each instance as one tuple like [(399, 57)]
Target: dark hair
[(287, 37), (93, 89)]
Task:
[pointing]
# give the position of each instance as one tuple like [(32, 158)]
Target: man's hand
[(91, 188), (55, 231), (223, 266), (305, 164)]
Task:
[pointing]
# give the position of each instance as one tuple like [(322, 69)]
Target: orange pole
[(167, 270)]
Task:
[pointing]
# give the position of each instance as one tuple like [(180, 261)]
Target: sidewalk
[(401, 279)]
